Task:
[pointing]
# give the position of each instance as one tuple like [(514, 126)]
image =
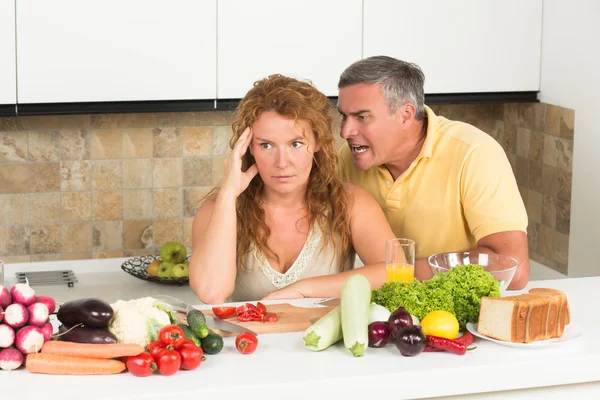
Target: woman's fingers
[(243, 142)]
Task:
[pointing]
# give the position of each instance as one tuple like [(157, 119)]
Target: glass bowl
[(501, 267)]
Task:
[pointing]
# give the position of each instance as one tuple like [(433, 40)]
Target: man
[(445, 184)]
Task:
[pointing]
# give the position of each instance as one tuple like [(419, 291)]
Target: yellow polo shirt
[(459, 189)]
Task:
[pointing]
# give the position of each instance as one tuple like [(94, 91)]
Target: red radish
[(22, 293), (10, 359), (5, 297), (38, 314), (47, 330), (7, 336), (16, 315), (1, 313), (48, 301), (29, 339)]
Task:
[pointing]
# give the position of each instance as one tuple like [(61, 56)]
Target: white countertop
[(282, 368)]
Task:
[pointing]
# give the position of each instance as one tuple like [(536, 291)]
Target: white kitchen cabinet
[(8, 77), (115, 50), (309, 39), (463, 46)]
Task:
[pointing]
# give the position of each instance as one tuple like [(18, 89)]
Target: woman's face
[(283, 151)]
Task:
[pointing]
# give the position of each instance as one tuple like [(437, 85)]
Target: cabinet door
[(461, 45), (8, 77), (308, 39), (115, 50)]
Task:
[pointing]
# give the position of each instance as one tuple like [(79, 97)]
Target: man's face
[(367, 125)]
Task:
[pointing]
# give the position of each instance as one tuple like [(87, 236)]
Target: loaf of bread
[(538, 315)]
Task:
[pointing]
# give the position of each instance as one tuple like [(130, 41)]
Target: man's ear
[(406, 112)]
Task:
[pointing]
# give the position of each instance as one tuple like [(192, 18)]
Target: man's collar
[(432, 134)]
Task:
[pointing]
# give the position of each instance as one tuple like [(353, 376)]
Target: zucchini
[(355, 306), (325, 332)]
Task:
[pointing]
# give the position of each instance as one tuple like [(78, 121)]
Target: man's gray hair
[(401, 82)]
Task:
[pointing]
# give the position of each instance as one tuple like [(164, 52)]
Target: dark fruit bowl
[(137, 267)]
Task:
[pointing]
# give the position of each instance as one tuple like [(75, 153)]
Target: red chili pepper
[(467, 339), (449, 345), (429, 349)]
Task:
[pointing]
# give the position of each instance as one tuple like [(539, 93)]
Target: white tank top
[(257, 278)]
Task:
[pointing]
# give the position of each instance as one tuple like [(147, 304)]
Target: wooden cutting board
[(289, 319)]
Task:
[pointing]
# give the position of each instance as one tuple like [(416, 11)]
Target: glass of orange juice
[(399, 260)]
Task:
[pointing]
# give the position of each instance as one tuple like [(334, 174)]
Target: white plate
[(572, 331)]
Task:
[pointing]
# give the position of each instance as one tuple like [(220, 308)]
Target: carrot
[(60, 365), (91, 350)]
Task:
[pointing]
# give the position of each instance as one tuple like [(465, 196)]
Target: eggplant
[(92, 313), (85, 335)]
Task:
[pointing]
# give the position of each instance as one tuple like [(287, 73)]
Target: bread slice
[(497, 318), (564, 313), (538, 315)]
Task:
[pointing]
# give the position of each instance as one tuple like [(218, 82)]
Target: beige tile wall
[(95, 186), (112, 185)]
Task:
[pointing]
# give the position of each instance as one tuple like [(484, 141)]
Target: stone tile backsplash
[(112, 185)]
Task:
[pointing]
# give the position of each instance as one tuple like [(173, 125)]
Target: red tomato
[(191, 356), (171, 335), (223, 312), (188, 341), (168, 361), (141, 365), (154, 347), (271, 317), (246, 342), (261, 307)]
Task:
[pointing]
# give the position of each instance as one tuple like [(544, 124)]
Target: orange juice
[(399, 272)]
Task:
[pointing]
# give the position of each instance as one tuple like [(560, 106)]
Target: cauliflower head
[(138, 321)]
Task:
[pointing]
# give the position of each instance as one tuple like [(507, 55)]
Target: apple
[(165, 270), (173, 252), (180, 270)]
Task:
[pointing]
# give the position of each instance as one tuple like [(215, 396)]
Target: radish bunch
[(23, 324)]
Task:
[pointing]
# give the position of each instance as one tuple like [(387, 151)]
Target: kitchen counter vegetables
[(457, 291), (139, 320), (24, 325)]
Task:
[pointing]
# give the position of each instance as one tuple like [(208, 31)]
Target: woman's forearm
[(332, 285), (213, 263)]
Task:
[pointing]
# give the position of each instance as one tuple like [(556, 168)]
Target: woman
[(293, 230)]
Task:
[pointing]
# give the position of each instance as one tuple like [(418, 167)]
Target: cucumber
[(325, 332), (188, 333), (355, 306), (212, 343), (197, 323)]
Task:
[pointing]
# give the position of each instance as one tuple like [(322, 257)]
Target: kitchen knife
[(211, 322)]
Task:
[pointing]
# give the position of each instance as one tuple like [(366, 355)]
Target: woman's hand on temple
[(234, 179)]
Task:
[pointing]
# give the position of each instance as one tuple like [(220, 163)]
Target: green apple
[(180, 270), (165, 270), (173, 252)]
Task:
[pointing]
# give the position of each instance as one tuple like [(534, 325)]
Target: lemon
[(440, 323)]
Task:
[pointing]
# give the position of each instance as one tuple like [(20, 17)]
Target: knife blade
[(211, 322)]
